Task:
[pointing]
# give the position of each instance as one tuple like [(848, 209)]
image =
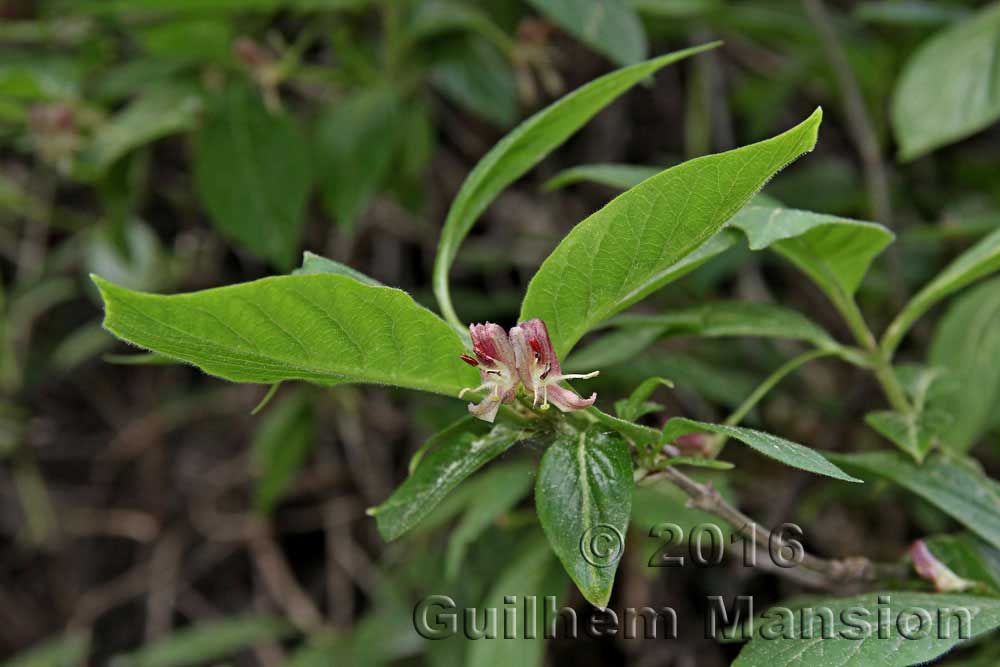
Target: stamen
[(469, 360), (485, 385), (575, 376)]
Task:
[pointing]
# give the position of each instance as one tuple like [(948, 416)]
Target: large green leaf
[(522, 149), (860, 636), (611, 27), (457, 455), (786, 451), (977, 262), (956, 487), (536, 575), (835, 252), (966, 345), (950, 88), (584, 499), (321, 328), (253, 172), (629, 248), (206, 643), (356, 140)]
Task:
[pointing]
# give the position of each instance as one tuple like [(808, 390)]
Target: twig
[(706, 498), (280, 582)]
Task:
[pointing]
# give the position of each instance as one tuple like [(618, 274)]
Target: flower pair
[(522, 356)]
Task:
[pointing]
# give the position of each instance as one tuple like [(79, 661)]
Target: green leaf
[(967, 345), (313, 264), (785, 451), (859, 637), (153, 115), (955, 487), (522, 149), (628, 249), (916, 431), (835, 252), (280, 447), (584, 498), (66, 651), (711, 464), (326, 329), (619, 176), (434, 18), (610, 27), (356, 141), (968, 557), (977, 262), (635, 405), (906, 13), (497, 491), (253, 173), (950, 88), (534, 573), (481, 80), (441, 470), (205, 643)]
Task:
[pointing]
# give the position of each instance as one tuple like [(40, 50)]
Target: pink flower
[(497, 368), (930, 568), (539, 368)]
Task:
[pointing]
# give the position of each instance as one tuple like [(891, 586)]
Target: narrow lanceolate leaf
[(531, 579), (786, 451), (280, 448), (206, 643), (522, 149), (955, 486), (950, 88), (835, 252), (253, 172), (620, 176), (977, 262), (320, 328), (67, 651), (628, 249), (584, 498), (457, 456), (313, 263), (610, 27), (966, 345), (882, 629)]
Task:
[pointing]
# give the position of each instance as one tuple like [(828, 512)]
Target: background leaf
[(785, 451), (626, 250), (253, 172), (584, 492), (206, 642), (619, 176), (968, 557), (456, 456), (610, 27), (313, 263), (320, 328), (280, 447), (950, 88)]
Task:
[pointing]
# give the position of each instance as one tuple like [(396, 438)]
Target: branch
[(707, 498)]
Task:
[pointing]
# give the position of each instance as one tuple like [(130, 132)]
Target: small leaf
[(618, 176), (977, 262), (522, 149), (786, 451), (634, 406), (440, 471), (252, 170), (205, 643), (327, 329), (916, 431), (610, 27), (497, 491), (583, 498), (629, 248), (955, 487), (313, 263), (859, 637), (835, 252), (948, 89), (280, 447), (966, 345), (480, 79)]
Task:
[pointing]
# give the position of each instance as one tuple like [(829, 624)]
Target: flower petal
[(567, 400)]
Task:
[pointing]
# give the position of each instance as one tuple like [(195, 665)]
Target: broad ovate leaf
[(457, 455), (950, 88), (584, 499), (954, 485), (876, 629), (787, 452), (629, 248), (522, 149), (322, 328), (977, 262)]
